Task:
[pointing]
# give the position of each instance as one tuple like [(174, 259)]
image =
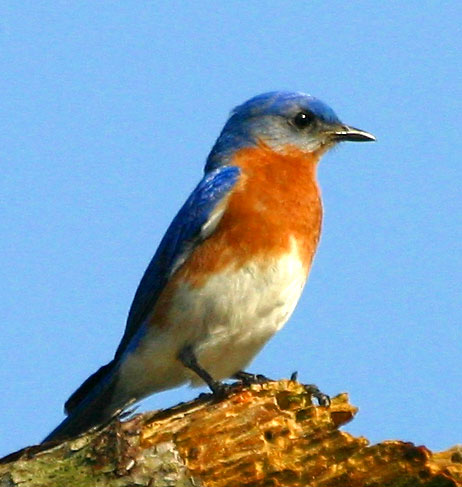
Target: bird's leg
[(189, 360), (248, 378)]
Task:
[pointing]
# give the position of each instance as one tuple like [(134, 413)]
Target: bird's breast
[(276, 202), (245, 279)]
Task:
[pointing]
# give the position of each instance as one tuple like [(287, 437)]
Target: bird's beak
[(344, 132)]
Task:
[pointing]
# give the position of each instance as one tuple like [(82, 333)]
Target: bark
[(263, 435)]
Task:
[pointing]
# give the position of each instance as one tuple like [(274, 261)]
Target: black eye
[(303, 119)]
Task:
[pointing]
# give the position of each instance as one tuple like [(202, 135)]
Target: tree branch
[(264, 435)]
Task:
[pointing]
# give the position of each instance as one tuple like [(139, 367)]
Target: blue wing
[(195, 221), (185, 232)]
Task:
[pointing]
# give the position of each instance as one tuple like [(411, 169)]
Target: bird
[(232, 265)]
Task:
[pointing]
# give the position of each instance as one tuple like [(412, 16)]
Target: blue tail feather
[(91, 405)]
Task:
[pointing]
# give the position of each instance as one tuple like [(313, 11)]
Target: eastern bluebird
[(231, 267)]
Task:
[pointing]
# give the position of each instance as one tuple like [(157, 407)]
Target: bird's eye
[(303, 119)]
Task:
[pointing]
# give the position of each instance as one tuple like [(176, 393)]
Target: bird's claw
[(247, 379), (323, 399), (220, 390)]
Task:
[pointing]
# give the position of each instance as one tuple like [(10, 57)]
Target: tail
[(90, 405)]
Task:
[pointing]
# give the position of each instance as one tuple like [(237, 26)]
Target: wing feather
[(195, 221)]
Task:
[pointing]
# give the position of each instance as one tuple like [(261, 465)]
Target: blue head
[(281, 119)]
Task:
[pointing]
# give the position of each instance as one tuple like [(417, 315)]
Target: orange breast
[(276, 199)]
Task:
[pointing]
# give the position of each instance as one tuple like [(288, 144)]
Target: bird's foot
[(189, 360), (323, 399), (247, 378), (220, 390)]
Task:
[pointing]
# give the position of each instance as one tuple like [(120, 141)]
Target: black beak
[(344, 133)]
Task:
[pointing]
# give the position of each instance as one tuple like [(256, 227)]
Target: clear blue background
[(108, 110)]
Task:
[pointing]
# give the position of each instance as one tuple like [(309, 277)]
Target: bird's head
[(282, 120)]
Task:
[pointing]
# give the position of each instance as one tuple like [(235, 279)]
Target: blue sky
[(108, 111)]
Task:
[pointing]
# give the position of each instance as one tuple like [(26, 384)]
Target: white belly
[(243, 310), (227, 321)]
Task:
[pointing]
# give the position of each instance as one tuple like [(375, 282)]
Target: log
[(262, 435)]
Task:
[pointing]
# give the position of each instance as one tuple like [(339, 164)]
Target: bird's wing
[(195, 221)]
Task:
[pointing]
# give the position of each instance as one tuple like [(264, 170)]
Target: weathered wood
[(264, 435)]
